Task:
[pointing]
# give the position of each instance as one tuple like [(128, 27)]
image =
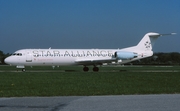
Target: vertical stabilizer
[(148, 41)]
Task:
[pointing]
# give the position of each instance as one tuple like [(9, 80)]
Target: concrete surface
[(164, 102)]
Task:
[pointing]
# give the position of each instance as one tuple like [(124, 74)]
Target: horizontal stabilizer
[(156, 34)]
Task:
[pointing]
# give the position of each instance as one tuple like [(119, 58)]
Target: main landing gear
[(86, 69)]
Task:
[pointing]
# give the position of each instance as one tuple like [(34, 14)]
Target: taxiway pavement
[(162, 102)]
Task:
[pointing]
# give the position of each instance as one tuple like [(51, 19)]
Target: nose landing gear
[(23, 70), (21, 67)]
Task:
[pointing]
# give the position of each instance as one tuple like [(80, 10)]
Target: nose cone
[(8, 60)]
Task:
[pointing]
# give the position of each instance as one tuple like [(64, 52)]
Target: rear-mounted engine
[(123, 55)]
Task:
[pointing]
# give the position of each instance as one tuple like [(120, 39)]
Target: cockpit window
[(17, 54)]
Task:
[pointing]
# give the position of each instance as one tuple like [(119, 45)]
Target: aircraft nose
[(8, 60)]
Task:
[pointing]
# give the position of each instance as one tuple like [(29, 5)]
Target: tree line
[(3, 56), (159, 58)]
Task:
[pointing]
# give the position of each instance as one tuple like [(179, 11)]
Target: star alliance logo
[(147, 45)]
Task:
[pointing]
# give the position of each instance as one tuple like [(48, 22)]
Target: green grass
[(78, 83)]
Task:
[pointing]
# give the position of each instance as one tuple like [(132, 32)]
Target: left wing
[(94, 61)]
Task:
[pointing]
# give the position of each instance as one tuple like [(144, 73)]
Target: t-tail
[(145, 47), (148, 41)]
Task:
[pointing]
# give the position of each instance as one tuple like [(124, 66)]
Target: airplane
[(85, 57)]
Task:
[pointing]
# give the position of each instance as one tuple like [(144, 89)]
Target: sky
[(87, 24)]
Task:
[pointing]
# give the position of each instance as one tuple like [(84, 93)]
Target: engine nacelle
[(123, 55)]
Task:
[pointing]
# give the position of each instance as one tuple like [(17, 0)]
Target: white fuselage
[(58, 57)]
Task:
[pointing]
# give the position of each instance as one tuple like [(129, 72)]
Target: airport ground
[(162, 102), (72, 81), (127, 88)]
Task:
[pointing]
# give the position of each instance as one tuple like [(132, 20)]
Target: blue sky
[(87, 23)]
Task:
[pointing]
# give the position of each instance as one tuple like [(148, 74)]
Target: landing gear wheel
[(95, 69), (23, 70), (85, 69)]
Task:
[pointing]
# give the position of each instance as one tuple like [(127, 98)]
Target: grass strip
[(18, 84)]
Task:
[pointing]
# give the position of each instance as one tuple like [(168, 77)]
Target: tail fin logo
[(147, 44)]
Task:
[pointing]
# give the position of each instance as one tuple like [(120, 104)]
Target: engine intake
[(123, 55)]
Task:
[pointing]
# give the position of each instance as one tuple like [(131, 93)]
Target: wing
[(94, 61)]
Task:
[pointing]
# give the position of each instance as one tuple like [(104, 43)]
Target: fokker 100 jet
[(85, 57)]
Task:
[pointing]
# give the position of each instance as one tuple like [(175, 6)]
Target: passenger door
[(28, 57)]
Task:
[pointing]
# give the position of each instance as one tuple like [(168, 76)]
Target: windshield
[(17, 54)]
